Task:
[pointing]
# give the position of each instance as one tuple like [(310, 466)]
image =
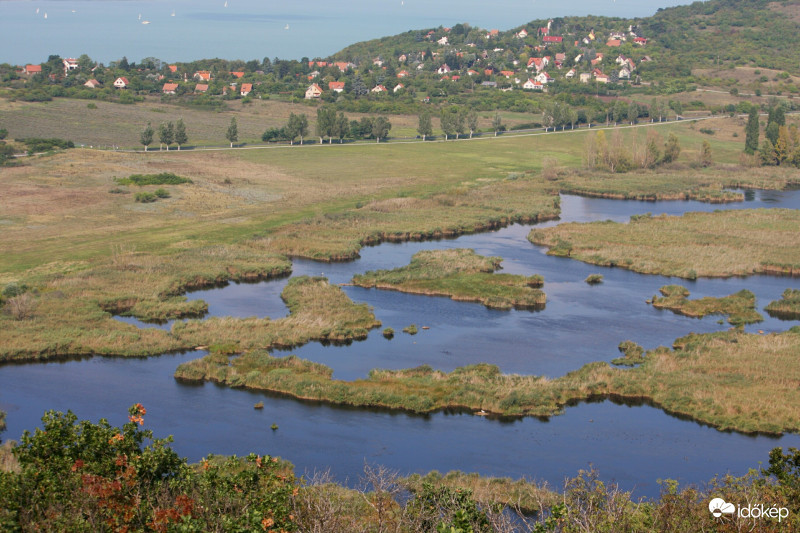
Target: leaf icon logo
[(718, 507)]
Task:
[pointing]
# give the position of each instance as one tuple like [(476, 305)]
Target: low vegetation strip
[(714, 378), (518, 494), (740, 308), (462, 275), (718, 244), (788, 307), (318, 311), (163, 178)]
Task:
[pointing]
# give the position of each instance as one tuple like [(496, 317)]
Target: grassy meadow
[(719, 244), (462, 275)]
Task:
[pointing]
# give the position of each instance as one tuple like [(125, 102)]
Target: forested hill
[(759, 33)]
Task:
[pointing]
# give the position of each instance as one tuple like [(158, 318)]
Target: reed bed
[(718, 244), (740, 308), (788, 307), (462, 275), (730, 380)]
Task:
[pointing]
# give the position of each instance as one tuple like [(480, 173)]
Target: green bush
[(161, 193), (145, 197)]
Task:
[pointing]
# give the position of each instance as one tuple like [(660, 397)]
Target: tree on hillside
[(380, 128), (146, 137), (297, 126), (706, 159), (447, 123), (425, 126), (472, 121), (233, 132), (340, 127), (166, 134), (302, 126), (752, 132), (497, 123), (180, 133), (326, 120), (672, 149)]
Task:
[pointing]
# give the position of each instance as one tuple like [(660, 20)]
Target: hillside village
[(438, 62)]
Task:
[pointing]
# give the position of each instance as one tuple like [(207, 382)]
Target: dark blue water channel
[(634, 445)]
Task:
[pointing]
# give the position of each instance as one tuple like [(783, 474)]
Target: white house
[(313, 91), (398, 87), (121, 83), (585, 77), (532, 85)]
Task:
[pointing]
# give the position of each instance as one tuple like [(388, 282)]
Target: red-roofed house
[(33, 69), (543, 77), (552, 39), (506, 73), (532, 85), (336, 86), (121, 83), (173, 68), (402, 74), (237, 74), (641, 41), (344, 66), (92, 84), (614, 43), (201, 88), (456, 78), (544, 31), (398, 87), (522, 34), (538, 63), (313, 91), (202, 75), (246, 89), (444, 69), (378, 89), (169, 88)]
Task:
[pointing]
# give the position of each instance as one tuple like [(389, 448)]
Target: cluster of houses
[(533, 76)]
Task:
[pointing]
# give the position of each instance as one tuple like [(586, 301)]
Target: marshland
[(177, 274)]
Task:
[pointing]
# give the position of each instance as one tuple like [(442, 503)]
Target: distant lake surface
[(254, 29)]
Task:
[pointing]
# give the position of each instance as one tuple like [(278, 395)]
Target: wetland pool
[(632, 444)]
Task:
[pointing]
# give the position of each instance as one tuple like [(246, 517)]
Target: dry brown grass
[(732, 243)]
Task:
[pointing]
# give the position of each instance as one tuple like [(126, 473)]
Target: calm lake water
[(634, 445), (106, 30)]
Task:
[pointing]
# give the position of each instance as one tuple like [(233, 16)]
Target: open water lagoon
[(632, 444)]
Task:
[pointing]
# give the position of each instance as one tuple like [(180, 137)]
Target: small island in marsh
[(787, 308), (740, 308), (462, 275)]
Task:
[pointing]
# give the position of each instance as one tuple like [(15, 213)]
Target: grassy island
[(462, 275), (788, 307), (718, 244), (714, 378), (740, 308)]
